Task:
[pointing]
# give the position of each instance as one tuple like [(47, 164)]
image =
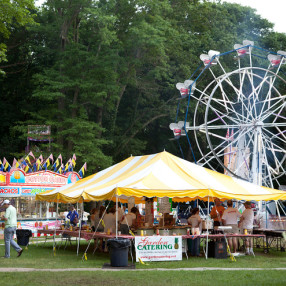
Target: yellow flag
[(142, 262), (85, 257), (131, 233), (102, 222)]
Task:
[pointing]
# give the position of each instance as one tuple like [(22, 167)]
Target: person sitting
[(194, 221), (217, 212), (246, 223), (128, 221), (73, 216), (230, 218)]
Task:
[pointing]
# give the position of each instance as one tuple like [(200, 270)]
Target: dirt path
[(152, 269)]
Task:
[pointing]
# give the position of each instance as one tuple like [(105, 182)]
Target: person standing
[(10, 219), (246, 224), (230, 218), (128, 221), (194, 220), (217, 212), (110, 221), (120, 212), (73, 216)]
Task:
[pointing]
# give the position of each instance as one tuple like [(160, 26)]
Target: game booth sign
[(21, 189)]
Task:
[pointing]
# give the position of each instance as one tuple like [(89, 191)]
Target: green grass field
[(42, 257)]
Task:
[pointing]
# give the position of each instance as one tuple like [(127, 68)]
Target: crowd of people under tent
[(103, 219)]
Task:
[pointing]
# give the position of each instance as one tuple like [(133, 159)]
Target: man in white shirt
[(230, 218), (110, 221), (10, 229), (246, 223)]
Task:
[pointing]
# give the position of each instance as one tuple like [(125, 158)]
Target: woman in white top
[(128, 221)]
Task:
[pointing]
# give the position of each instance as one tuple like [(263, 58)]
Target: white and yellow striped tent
[(159, 175)]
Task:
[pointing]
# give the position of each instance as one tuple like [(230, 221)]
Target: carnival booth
[(158, 176), (21, 182)]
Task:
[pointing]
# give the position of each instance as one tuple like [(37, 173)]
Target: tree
[(17, 12)]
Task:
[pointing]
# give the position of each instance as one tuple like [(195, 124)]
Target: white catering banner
[(158, 248)]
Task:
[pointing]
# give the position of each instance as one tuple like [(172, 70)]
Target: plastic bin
[(217, 249), (23, 236), (118, 251)]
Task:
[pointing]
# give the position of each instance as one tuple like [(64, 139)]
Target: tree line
[(102, 73)]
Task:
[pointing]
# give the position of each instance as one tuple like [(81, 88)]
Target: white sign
[(158, 248)]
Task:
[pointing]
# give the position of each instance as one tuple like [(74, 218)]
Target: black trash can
[(23, 236), (118, 251)]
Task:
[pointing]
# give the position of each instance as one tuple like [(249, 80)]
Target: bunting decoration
[(29, 163), (82, 170)]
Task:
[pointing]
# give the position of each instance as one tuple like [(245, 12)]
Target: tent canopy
[(159, 175)]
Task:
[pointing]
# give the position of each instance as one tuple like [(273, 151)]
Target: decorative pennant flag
[(7, 166), (51, 157), (1, 166), (41, 158), (14, 162), (82, 170), (28, 159), (38, 164), (32, 155), (60, 170)]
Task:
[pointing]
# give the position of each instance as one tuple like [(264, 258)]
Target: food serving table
[(99, 235), (274, 239)]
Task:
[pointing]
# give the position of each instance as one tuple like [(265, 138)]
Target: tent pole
[(208, 227), (80, 222), (116, 214), (54, 241)]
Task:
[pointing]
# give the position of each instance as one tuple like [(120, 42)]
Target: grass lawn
[(42, 257)]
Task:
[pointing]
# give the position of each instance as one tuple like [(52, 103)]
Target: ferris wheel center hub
[(258, 124)]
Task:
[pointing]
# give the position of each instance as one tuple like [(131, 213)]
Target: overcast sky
[(273, 10)]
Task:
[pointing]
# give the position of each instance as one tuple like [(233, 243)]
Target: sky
[(272, 10)]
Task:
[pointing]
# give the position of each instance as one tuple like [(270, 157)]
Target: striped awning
[(159, 175)]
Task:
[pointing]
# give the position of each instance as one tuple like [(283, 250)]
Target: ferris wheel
[(239, 114)]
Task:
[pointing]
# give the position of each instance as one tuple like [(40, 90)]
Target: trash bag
[(118, 243), (23, 236)]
